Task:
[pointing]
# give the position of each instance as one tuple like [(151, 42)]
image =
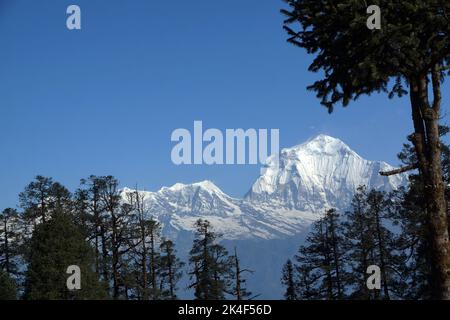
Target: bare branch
[(399, 170)]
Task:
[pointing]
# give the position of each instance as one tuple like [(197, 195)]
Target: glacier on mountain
[(319, 174), (269, 223)]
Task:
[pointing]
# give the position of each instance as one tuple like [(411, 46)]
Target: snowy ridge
[(319, 174)]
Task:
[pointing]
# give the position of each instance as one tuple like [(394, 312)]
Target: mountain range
[(269, 223)]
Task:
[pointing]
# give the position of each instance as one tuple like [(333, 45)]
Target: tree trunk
[(153, 263), (170, 273), (104, 254), (381, 252), (6, 247), (335, 255), (428, 150), (238, 276)]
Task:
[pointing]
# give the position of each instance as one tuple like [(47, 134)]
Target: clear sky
[(104, 100)]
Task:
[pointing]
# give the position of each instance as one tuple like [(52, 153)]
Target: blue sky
[(104, 100)]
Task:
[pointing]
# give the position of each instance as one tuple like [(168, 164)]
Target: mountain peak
[(324, 139), (322, 144), (321, 173), (205, 185)]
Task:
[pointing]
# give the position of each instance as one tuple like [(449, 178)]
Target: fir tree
[(170, 270), (356, 61), (141, 250), (154, 233), (8, 288), (55, 245), (210, 263), (117, 218), (288, 280), (42, 197), (321, 260), (10, 240), (359, 245), (90, 203), (408, 206), (370, 242), (383, 238)]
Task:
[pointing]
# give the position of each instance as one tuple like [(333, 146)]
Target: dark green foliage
[(211, 265), (42, 197), (320, 261), (10, 241), (170, 270), (289, 282), (370, 242), (90, 209), (116, 244), (55, 245), (357, 61), (334, 261), (8, 289), (409, 212), (412, 49)]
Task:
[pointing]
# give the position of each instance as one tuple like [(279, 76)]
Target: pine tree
[(55, 245), (140, 249), (8, 288), (10, 240), (321, 260), (117, 218), (210, 263), (154, 232), (42, 197), (305, 285), (357, 61), (170, 270), (359, 245), (288, 280), (89, 195), (370, 242), (383, 238), (409, 211)]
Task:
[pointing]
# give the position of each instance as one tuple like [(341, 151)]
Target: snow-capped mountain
[(319, 174), (180, 206), (272, 220)]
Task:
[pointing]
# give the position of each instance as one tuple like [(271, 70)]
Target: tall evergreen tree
[(357, 61), (8, 288), (288, 280), (42, 197), (10, 240), (210, 263), (89, 195), (140, 251), (321, 259), (117, 220), (359, 246), (383, 238), (409, 212), (57, 244), (170, 270), (154, 232), (370, 242)]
